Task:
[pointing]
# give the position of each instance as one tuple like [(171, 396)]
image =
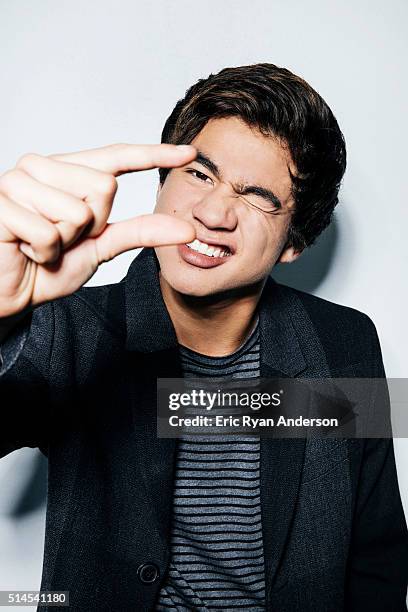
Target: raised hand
[(54, 230)]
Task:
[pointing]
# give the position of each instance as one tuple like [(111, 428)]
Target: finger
[(122, 158), (72, 178), (145, 231), (89, 175), (70, 214), (97, 189), (40, 238)]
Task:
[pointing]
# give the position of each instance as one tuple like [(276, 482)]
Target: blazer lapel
[(289, 348), (281, 470), (156, 455), (153, 353), (281, 460)]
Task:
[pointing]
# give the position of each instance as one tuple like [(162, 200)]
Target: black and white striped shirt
[(217, 560)]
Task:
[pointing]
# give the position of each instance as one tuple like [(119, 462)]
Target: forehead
[(244, 155)]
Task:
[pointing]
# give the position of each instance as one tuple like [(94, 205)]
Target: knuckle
[(55, 156), (41, 257), (81, 215), (46, 257), (108, 184), (9, 179), (28, 160), (49, 237)]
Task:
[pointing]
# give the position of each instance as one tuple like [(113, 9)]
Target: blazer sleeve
[(24, 392), (378, 563)]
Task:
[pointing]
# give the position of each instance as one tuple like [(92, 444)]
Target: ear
[(288, 255)]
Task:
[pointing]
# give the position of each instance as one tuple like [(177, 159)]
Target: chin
[(211, 293), (192, 288)]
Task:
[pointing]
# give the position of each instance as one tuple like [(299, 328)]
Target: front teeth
[(206, 249), (202, 248)]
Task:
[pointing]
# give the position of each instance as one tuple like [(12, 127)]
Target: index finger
[(120, 159)]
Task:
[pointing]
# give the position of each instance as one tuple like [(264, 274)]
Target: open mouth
[(208, 249)]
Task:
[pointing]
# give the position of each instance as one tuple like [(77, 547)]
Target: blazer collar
[(148, 324), (150, 329), (281, 353)]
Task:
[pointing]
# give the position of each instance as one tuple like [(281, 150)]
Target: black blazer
[(83, 390)]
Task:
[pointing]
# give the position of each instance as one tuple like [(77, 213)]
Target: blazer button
[(148, 573)]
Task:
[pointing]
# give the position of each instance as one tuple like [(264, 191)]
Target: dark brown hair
[(279, 104)]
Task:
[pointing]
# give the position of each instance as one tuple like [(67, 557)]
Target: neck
[(212, 325)]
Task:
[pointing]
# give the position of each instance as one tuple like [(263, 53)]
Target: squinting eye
[(199, 175), (260, 204)]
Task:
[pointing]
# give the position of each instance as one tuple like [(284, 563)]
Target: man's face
[(237, 195)]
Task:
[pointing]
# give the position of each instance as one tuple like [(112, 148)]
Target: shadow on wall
[(34, 494), (23, 476), (310, 270), (304, 274)]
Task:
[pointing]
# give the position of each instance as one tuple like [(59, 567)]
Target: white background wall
[(79, 74)]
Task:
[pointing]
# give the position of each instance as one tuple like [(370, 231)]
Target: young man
[(135, 522)]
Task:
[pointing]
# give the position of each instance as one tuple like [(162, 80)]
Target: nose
[(216, 210)]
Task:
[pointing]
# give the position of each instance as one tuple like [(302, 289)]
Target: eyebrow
[(262, 192), (208, 163)]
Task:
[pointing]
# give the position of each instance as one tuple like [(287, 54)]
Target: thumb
[(144, 231)]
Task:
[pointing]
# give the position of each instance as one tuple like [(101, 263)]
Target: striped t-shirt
[(217, 560)]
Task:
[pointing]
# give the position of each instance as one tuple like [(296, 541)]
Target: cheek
[(173, 198), (265, 239), (258, 234)]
